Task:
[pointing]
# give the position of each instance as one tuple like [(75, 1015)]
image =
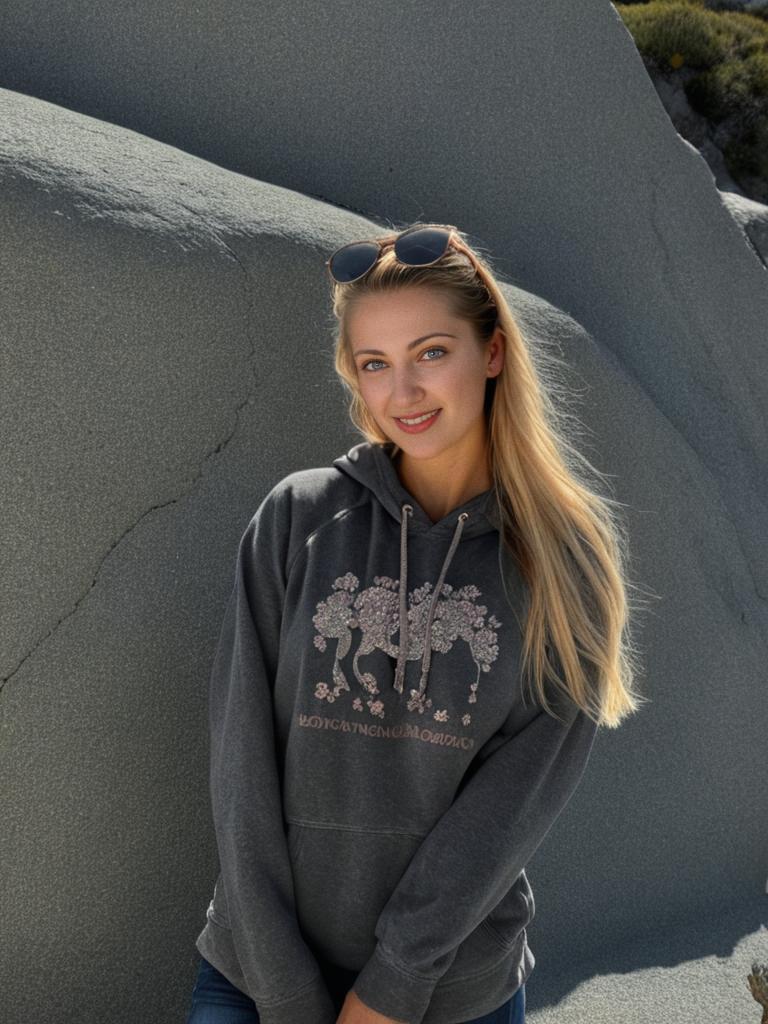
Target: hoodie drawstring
[(402, 653)]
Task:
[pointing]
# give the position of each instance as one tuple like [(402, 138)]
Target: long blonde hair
[(566, 538)]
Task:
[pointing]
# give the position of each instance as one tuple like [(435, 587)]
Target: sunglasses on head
[(418, 246)]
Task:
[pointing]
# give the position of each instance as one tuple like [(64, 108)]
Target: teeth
[(419, 419)]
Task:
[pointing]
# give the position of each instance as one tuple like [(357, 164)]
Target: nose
[(406, 390)]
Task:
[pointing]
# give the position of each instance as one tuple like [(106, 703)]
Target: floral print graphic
[(373, 615)]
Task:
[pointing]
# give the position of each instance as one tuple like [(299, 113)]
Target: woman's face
[(414, 357)]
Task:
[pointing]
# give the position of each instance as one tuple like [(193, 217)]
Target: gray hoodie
[(377, 791)]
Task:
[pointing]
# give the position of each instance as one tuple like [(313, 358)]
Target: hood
[(372, 465)]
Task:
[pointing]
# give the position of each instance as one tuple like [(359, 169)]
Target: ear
[(496, 350)]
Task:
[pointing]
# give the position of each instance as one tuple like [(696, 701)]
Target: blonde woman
[(420, 644)]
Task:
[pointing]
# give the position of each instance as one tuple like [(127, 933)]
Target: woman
[(379, 778)]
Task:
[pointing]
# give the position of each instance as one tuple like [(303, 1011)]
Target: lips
[(415, 415), (414, 428)]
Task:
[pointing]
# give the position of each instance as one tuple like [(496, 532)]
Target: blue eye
[(364, 366)]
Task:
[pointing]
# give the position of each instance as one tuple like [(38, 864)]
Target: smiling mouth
[(418, 418)]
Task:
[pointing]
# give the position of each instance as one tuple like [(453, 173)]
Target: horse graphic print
[(370, 617)]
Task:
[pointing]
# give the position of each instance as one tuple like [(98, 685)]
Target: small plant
[(719, 59), (758, 986)]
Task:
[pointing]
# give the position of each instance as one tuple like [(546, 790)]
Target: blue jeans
[(215, 1000)]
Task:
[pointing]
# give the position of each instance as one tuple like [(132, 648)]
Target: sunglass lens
[(422, 246), (352, 261)]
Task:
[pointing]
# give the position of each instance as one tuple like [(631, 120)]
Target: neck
[(441, 484)]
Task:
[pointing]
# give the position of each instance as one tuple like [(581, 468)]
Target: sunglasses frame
[(392, 240)]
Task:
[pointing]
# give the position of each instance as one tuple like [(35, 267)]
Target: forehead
[(400, 316), (410, 299)]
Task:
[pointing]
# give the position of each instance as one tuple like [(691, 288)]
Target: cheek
[(466, 386), (371, 394), (457, 377)]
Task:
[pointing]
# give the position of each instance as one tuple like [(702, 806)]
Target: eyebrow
[(411, 344)]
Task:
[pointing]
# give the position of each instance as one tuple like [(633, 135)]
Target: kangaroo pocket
[(343, 878)]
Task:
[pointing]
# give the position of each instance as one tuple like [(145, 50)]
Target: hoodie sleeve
[(282, 974), (472, 857)]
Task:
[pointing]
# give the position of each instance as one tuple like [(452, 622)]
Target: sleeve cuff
[(311, 1005), (393, 991)]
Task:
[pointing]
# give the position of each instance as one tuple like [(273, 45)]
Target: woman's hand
[(355, 1011)]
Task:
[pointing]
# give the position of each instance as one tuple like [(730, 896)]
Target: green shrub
[(728, 53), (665, 30)]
